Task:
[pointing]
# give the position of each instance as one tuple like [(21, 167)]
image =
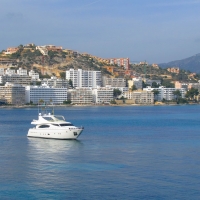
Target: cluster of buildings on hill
[(20, 76), (175, 70), (43, 49), (80, 87)]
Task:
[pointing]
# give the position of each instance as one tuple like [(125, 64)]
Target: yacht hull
[(62, 134)]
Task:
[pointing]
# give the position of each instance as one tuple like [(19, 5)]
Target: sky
[(155, 31)]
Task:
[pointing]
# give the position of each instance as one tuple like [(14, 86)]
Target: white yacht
[(53, 126)]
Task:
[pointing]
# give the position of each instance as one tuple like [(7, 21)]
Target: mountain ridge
[(191, 63)]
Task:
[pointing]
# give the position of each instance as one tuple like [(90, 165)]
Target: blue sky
[(153, 30)]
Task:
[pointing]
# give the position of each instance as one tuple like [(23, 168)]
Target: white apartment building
[(9, 71), (149, 81), (113, 82), (15, 78), (82, 78), (46, 93), (135, 81), (12, 94), (166, 93), (80, 95), (102, 95), (55, 82), (34, 75), (1, 71), (22, 72), (143, 97)]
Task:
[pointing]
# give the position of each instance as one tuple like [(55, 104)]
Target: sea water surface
[(133, 152)]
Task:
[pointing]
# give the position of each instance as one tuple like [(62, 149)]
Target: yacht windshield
[(54, 118), (48, 119), (59, 117), (66, 124)]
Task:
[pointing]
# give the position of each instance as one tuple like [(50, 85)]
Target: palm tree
[(156, 92), (177, 94), (41, 101)]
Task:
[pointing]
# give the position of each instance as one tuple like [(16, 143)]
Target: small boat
[(53, 126)]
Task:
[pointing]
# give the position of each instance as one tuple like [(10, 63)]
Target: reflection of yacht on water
[(38, 146), (53, 126)]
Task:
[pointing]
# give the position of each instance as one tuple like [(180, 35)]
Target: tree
[(113, 102), (156, 92), (70, 83), (41, 101), (67, 102), (133, 87), (15, 55), (182, 100), (44, 76), (163, 100), (38, 82), (52, 54), (144, 85), (191, 93), (177, 94), (167, 84), (63, 75), (116, 92), (20, 46), (37, 53), (155, 85)]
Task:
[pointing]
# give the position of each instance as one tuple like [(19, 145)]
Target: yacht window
[(44, 126), (55, 124), (66, 124)]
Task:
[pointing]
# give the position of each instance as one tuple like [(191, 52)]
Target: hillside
[(57, 60), (159, 73), (54, 63), (192, 63)]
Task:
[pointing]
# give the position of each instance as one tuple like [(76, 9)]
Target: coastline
[(96, 105)]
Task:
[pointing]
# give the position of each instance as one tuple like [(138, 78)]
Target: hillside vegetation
[(57, 62)]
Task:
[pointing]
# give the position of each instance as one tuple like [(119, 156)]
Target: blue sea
[(131, 152)]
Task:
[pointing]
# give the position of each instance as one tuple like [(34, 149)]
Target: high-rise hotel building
[(81, 78), (45, 93), (12, 94)]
